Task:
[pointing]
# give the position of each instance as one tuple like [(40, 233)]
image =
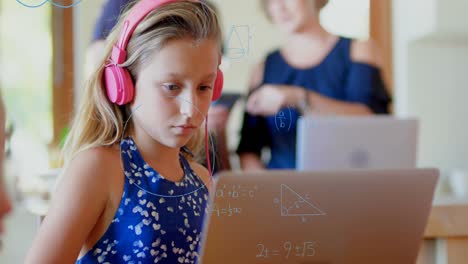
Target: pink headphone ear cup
[(112, 83), (128, 88), (119, 85), (218, 87)]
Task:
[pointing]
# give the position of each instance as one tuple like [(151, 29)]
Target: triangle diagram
[(235, 46), (293, 204)]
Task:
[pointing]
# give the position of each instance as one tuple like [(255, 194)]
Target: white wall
[(411, 20), (430, 64), (347, 17), (451, 16)]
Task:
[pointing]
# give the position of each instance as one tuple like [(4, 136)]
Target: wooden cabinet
[(446, 235)]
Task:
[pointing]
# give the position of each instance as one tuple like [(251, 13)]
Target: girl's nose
[(188, 104)]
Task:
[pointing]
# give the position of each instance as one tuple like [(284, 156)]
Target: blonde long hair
[(98, 122)]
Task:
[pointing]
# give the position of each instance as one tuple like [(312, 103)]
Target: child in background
[(151, 209)]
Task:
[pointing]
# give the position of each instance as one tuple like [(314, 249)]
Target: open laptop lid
[(371, 142), (329, 217)]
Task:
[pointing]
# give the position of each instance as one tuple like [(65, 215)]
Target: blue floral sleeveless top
[(158, 221)]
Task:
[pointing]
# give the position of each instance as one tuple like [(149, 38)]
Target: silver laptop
[(375, 142), (318, 217)]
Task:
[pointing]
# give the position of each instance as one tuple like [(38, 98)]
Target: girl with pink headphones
[(132, 190)]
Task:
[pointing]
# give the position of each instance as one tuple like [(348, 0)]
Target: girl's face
[(291, 15), (173, 92)]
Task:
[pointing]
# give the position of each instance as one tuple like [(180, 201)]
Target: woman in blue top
[(131, 192), (313, 71)]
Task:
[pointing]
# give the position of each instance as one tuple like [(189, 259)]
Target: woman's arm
[(77, 204), (366, 51), (251, 160), (324, 105)]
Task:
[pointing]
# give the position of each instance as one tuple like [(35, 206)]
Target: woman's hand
[(269, 99)]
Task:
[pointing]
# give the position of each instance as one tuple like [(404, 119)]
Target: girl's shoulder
[(101, 158), (81, 198), (97, 166)]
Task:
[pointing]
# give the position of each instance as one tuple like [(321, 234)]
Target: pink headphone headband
[(138, 13)]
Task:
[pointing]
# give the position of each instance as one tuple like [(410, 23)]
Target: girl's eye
[(171, 87), (205, 88)]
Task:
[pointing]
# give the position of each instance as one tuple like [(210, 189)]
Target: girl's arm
[(76, 205)]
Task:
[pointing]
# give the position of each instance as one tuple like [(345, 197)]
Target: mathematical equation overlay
[(232, 192), (287, 250)]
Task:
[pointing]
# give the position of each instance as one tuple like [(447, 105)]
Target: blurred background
[(43, 53)]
